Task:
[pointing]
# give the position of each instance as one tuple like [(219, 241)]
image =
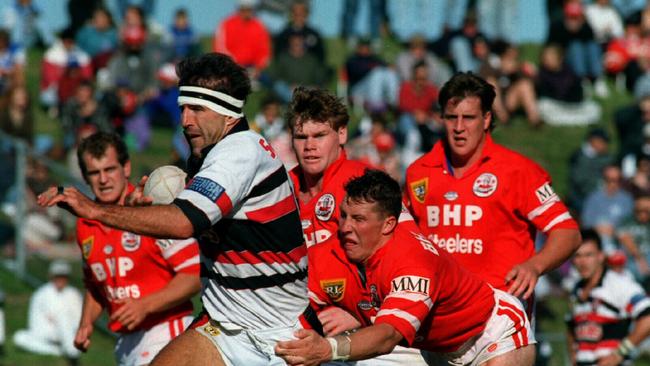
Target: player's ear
[(127, 169), (343, 135), (231, 121), (390, 223)]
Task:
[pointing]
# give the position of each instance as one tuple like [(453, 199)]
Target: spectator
[(586, 165), (497, 19), (22, 19), (606, 207), (629, 55), (99, 38), (80, 11), (53, 316), (630, 122), (135, 63), (16, 116), (604, 20), (269, 122), (467, 46), (245, 39), (81, 110), (634, 236), (163, 107), (299, 14), (417, 52), (145, 8), (12, 63), (183, 41), (561, 98), (638, 183), (377, 16)]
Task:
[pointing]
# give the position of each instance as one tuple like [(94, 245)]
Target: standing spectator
[(245, 38), (634, 236), (417, 52), (482, 202), (586, 165), (99, 38), (81, 110), (606, 207), (16, 115), (53, 316), (603, 305), (377, 14), (145, 284), (604, 20), (497, 19), (80, 11), (297, 25), (183, 42), (163, 106), (12, 63), (23, 20)]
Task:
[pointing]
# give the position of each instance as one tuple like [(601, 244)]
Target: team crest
[(130, 241), (335, 289), (325, 207), (485, 185), (87, 246), (419, 188)]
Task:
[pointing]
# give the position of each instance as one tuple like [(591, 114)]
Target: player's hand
[(612, 359), (309, 349), (137, 197), (82, 338), (336, 320), (522, 279), (70, 199), (131, 313)]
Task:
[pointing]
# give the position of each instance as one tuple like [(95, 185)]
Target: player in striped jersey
[(423, 297), (240, 206), (604, 303)]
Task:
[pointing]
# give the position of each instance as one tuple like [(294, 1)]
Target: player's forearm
[(373, 341), (181, 288), (91, 309), (628, 243), (559, 246), (160, 221), (641, 330)]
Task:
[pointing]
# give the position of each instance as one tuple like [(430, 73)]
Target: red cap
[(616, 259), (384, 142), (133, 35), (573, 9)]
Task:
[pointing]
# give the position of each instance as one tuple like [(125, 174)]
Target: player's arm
[(91, 310), (559, 246), (312, 349), (627, 241), (628, 345)]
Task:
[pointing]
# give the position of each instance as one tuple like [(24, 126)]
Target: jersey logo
[(373, 303), (414, 284), (451, 196), (305, 224), (108, 249), (130, 241), (419, 188), (545, 193), (485, 185), (335, 288), (325, 207), (87, 246), (207, 187)]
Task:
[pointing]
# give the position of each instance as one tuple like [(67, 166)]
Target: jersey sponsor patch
[(164, 244), (130, 241), (335, 288), (325, 207), (545, 193), (419, 188), (451, 196), (206, 187), (414, 284), (87, 246), (485, 185)]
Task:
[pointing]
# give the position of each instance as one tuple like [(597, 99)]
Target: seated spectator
[(12, 63), (586, 165), (417, 52), (182, 42), (245, 39), (16, 115), (606, 207), (604, 20), (371, 82), (634, 236), (561, 98), (297, 25), (53, 316), (99, 38), (64, 66), (295, 67), (81, 110), (513, 83)]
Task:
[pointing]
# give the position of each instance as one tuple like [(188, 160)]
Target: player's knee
[(188, 349), (524, 356)]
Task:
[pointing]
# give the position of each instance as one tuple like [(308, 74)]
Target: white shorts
[(243, 346), (139, 348), (399, 356), (507, 329)]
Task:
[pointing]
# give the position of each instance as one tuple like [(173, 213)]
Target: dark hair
[(375, 186), (419, 64), (464, 85), (108, 14), (215, 71), (180, 12), (97, 144), (316, 105), (591, 235)]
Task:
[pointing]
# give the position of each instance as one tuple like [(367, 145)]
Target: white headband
[(216, 101)]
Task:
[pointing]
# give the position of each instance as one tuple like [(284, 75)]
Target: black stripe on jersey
[(198, 218), (255, 282), (213, 99), (273, 181)]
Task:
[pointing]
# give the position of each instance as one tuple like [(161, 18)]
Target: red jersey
[(119, 264), (488, 216), (332, 279), (424, 294)]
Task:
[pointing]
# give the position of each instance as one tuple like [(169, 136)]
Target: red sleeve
[(181, 255)]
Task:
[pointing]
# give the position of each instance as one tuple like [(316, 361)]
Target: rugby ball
[(164, 184)]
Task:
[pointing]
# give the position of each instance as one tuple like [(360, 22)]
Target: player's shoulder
[(513, 161), (422, 164)]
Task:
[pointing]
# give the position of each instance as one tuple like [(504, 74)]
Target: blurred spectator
[(638, 182), (372, 83), (468, 48), (604, 20), (134, 64), (418, 122), (183, 42), (586, 165), (64, 66), (12, 63), (145, 6), (22, 19), (606, 207), (582, 51), (163, 107), (378, 17), (269, 121), (417, 52), (497, 19), (628, 8), (16, 115), (561, 98), (53, 316), (513, 83), (80, 11), (376, 147), (634, 236), (245, 39), (81, 110), (295, 67), (297, 25), (98, 38), (630, 122), (629, 55)]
